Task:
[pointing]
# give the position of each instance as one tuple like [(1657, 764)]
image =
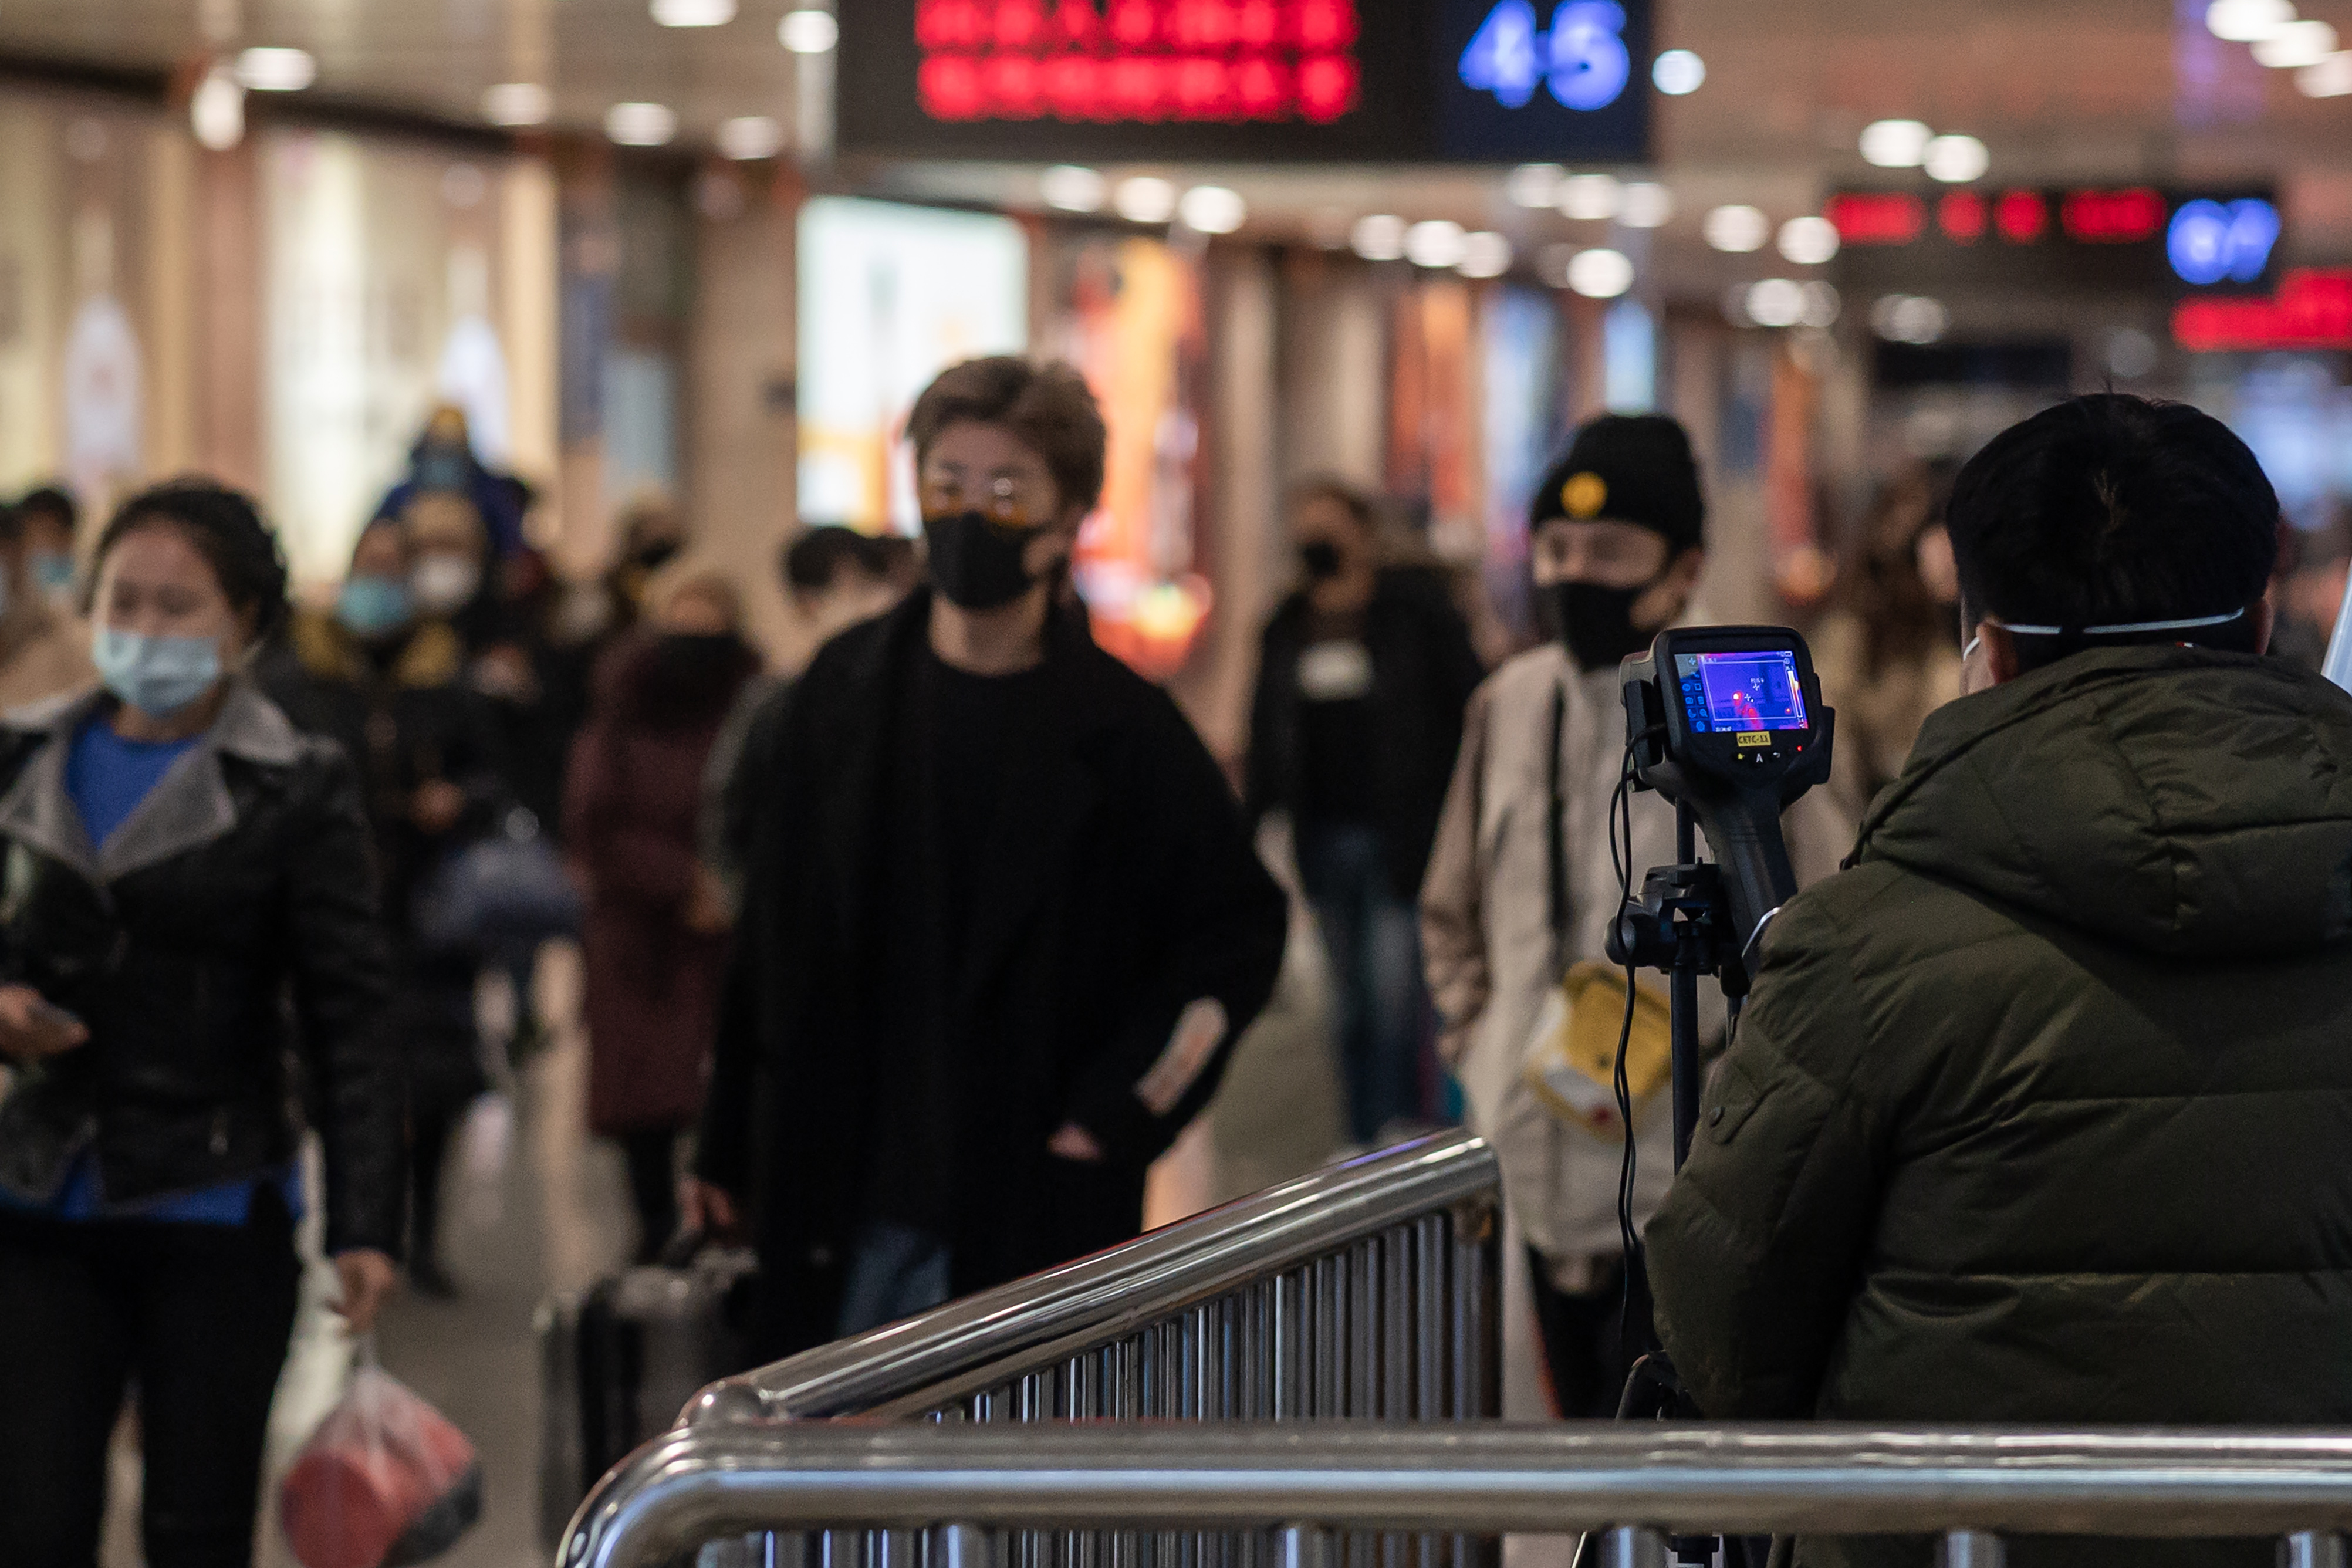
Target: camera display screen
[(1741, 691)]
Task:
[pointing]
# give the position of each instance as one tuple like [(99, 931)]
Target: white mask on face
[(442, 584)]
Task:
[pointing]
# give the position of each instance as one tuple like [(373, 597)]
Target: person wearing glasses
[(1001, 921)]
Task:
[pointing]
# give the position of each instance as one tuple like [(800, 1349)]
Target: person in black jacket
[(187, 901), (1001, 922), (1363, 676)]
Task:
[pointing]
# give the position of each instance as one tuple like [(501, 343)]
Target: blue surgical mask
[(53, 571), (371, 607), (158, 676)]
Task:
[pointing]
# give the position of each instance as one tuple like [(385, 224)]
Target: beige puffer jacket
[(1488, 941)]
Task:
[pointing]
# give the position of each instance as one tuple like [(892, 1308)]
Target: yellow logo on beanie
[(1584, 495)]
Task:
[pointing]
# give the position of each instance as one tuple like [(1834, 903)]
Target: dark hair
[(2110, 510), (52, 500), (12, 525), (1048, 407), (225, 527), (817, 556), (1332, 487)]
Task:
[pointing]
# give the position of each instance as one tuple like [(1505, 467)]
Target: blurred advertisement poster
[(890, 295), (1133, 327)]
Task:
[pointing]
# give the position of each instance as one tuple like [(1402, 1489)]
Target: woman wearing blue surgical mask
[(187, 903), (44, 649)]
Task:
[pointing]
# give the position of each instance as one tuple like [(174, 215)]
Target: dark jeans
[(1373, 941), (196, 1316), (1583, 1343), (652, 1156)]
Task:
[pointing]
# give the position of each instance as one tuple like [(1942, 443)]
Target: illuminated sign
[(1246, 80), (2132, 239), (2312, 309)]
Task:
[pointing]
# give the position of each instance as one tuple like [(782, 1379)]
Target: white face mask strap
[(2122, 628)]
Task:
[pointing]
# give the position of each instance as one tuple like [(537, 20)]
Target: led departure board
[(2133, 238), (1439, 81)]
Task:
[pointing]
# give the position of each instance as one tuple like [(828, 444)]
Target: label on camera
[(1755, 738)]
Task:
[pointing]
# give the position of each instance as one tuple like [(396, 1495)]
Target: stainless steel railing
[(1367, 1290), (966, 1494)]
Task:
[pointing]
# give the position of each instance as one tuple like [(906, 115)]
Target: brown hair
[(1347, 497), (1048, 407)]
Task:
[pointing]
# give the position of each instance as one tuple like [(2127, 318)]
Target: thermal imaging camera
[(1729, 722)]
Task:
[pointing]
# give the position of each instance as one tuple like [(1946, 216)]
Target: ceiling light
[(1212, 209), (809, 32), (1821, 305), (1678, 71), (276, 70), (1484, 255), (1809, 241), (1909, 319), (694, 13), (1894, 143), (749, 137), (2296, 45), (2247, 21), (1776, 303), (1738, 228), (2331, 78), (1380, 237), (640, 125), (1533, 184), (517, 103), (1591, 197), (1145, 199), (1646, 204), (1438, 242), (1600, 274), (1073, 188), (1956, 160), (216, 111)]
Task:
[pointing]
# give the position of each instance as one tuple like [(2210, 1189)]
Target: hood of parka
[(2176, 800)]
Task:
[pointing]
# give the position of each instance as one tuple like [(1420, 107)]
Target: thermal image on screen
[(1742, 691)]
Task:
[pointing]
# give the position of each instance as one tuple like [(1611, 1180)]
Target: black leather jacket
[(227, 931)]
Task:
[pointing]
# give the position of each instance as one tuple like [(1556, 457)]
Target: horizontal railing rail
[(1395, 1248), (964, 1487)]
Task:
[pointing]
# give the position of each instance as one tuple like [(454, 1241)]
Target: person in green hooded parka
[(2040, 1111)]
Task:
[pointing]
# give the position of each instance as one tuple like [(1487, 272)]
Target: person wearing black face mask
[(1521, 888), (1000, 922), (1364, 673)]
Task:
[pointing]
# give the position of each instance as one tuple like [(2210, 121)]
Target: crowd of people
[(906, 967)]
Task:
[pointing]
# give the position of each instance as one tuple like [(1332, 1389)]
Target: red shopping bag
[(386, 1480)]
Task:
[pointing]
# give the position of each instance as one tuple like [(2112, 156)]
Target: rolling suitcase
[(618, 1364)]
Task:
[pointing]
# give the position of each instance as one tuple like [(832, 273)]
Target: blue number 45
[(1583, 59)]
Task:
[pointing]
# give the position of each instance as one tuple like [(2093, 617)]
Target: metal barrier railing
[(971, 1497), (1367, 1290)]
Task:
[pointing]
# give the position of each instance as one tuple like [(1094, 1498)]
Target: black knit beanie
[(1634, 469)]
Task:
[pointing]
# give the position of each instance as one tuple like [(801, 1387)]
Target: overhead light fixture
[(517, 103), (216, 111), (1073, 189), (1437, 242), (2331, 78), (1534, 185), (1821, 307), (262, 70), (1678, 72), (1909, 319), (694, 13), (1646, 204), (2247, 21), (1895, 144), (749, 137), (1145, 199), (640, 125), (1738, 228), (809, 31), (1600, 274), (1212, 209), (1485, 253), (1776, 303), (2297, 45), (1590, 198), (1956, 160), (1378, 238), (1809, 241)]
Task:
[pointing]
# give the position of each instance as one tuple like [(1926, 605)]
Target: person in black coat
[(1363, 676), (187, 907), (1001, 921)]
